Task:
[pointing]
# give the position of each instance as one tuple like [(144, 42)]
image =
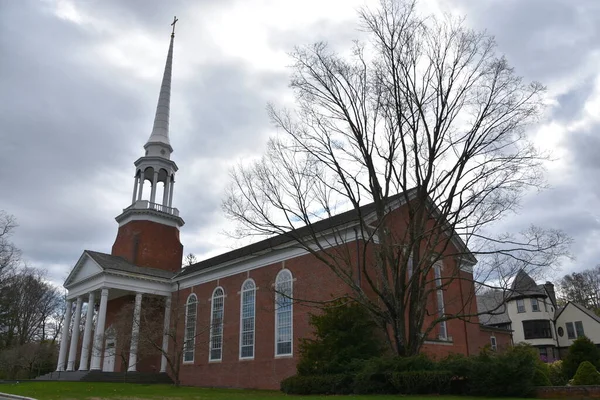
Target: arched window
[(247, 314), (216, 324), (191, 311), (283, 313)]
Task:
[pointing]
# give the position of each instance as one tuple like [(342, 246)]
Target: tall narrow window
[(283, 313), (570, 330), (247, 321), (493, 343), (440, 301), (579, 328), (535, 306), (216, 324), (520, 305), (191, 311)]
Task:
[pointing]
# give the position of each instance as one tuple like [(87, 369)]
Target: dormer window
[(535, 306), (520, 306)]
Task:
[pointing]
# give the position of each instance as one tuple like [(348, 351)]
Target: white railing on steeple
[(147, 205)]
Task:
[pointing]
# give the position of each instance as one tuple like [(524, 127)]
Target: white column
[(135, 187), (166, 191), (87, 334), (165, 343), (172, 186), (153, 192), (74, 337), (99, 334), (135, 330), (64, 338), (142, 179)]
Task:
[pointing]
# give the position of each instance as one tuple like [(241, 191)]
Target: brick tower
[(148, 233)]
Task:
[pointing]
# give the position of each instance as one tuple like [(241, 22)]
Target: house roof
[(492, 307), (344, 218), (523, 286), (590, 313), (110, 262)]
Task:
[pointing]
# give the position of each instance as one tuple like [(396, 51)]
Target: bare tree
[(10, 255), (583, 288), (425, 113), (27, 304), (190, 259)]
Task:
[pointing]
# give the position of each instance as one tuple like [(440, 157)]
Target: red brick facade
[(149, 244), (154, 245)]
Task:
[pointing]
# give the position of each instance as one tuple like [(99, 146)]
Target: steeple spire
[(160, 130)]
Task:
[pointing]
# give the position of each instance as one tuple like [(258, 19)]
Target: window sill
[(440, 342), (214, 361), (284, 356), (187, 362), (246, 358)]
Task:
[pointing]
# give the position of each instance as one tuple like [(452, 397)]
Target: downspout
[(359, 280), (462, 301)]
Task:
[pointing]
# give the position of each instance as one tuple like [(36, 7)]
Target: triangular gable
[(85, 267), (590, 314)]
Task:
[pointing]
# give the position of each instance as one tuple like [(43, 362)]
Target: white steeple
[(158, 143), (156, 165)]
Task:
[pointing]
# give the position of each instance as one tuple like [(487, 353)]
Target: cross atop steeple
[(173, 25)]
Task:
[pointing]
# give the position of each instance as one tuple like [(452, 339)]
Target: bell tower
[(148, 233)]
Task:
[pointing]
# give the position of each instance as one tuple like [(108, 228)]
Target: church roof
[(110, 262), (320, 226)]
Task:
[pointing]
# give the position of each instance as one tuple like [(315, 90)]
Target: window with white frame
[(283, 313), (191, 312), (579, 328), (520, 306), (535, 306), (247, 319), (216, 324), (570, 330), (443, 332), (493, 343)]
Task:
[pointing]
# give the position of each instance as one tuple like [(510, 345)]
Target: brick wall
[(149, 244), (568, 392), (313, 281)]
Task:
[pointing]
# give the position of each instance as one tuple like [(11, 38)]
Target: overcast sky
[(79, 81)]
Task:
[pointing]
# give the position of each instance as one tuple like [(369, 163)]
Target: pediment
[(84, 268)]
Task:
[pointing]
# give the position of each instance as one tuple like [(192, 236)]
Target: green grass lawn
[(97, 391)]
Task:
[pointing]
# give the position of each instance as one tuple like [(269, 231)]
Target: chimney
[(550, 290)]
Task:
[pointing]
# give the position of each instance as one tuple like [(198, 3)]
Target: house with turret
[(533, 314)]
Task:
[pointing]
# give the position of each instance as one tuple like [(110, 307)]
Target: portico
[(96, 280)]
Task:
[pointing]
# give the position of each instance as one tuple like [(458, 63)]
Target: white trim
[(185, 329), (212, 314), (242, 318), (291, 353), (267, 257)]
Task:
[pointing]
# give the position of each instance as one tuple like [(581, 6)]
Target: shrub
[(317, 384), (421, 382), (582, 349), (344, 335), (586, 375), (507, 374), (541, 375), (557, 376), (375, 376)]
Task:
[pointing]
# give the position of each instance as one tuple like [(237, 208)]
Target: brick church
[(224, 320)]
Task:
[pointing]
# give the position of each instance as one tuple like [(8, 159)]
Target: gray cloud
[(72, 123)]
